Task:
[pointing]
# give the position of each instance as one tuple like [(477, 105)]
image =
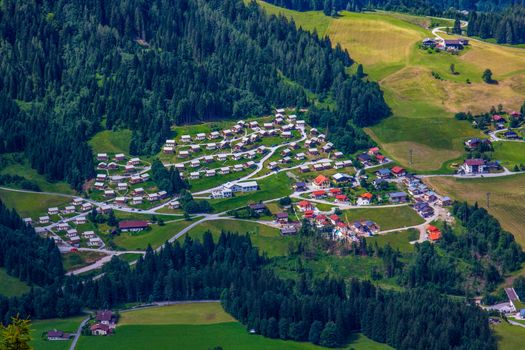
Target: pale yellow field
[(423, 157)]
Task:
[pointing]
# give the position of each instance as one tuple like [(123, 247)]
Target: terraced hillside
[(423, 107)]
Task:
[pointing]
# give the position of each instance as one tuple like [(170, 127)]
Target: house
[(69, 209), (167, 150), (43, 219), (210, 173), (341, 198), (455, 44), (194, 163), (364, 158), (74, 240), (170, 143), (135, 179), (286, 160), (238, 167), (334, 219), (373, 151), (109, 193), (286, 134), (102, 165), (318, 167), (214, 135), (473, 166), (326, 148), (364, 199), (152, 197), (100, 329), (300, 186), (342, 178), (334, 192), (434, 233), (398, 171), (321, 181), (292, 118), (300, 156), (304, 168), (254, 124), (383, 173), (444, 201), (129, 168), (80, 220), (249, 186), (313, 151), (57, 335), (200, 136), (133, 225), (338, 155), (428, 42), (52, 211), (259, 208), (289, 230), (88, 234), (86, 206), (250, 164), (195, 148), (314, 131), (95, 242), (184, 154), (224, 170), (122, 186), (511, 135), (398, 197), (136, 200), (380, 158), (281, 218), (102, 157), (211, 146), (185, 138), (222, 157), (112, 166), (268, 125), (119, 157), (71, 232), (28, 221), (121, 200), (338, 165), (318, 194), (222, 193), (134, 161), (144, 177), (174, 204), (278, 121), (227, 132), (309, 214), (424, 209), (286, 152), (300, 124), (305, 206)]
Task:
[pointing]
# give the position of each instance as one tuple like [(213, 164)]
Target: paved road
[(78, 333)]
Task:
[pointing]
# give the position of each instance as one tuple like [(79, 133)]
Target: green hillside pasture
[(267, 239), (156, 237), (108, 141), (387, 218), (509, 153), (11, 286), (509, 337), (397, 240), (32, 204), (73, 261), (40, 327)]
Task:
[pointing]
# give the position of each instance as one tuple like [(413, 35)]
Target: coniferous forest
[(507, 27), (72, 68)]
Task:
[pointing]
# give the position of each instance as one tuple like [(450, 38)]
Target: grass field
[(156, 237), (266, 238), (108, 141), (507, 202), (509, 153), (68, 325), (397, 240), (509, 337), (31, 204), (386, 218), (195, 326), (73, 261), (423, 107), (11, 286)]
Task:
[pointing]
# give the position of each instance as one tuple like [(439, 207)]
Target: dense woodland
[(71, 68), (507, 27)]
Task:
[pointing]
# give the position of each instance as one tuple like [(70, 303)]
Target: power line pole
[(488, 200)]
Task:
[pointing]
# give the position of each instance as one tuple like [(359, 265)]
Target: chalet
[(321, 181), (71, 232), (455, 44), (318, 166), (112, 166), (195, 148), (364, 158), (102, 165), (210, 173), (318, 194), (397, 197), (222, 193), (428, 42), (200, 136), (135, 179), (365, 227), (305, 206), (122, 186), (380, 158), (74, 240), (321, 137), (278, 120), (250, 164), (170, 143), (473, 166), (341, 198), (27, 221), (292, 118), (300, 124), (313, 151), (43, 219), (152, 197), (88, 234), (128, 168), (434, 233), (57, 335), (168, 150), (511, 135), (102, 157), (238, 167), (268, 125), (138, 191), (119, 157), (304, 168), (383, 173), (254, 124), (174, 204), (364, 199), (314, 131), (194, 163), (334, 219), (347, 163), (280, 110), (77, 201), (334, 192), (144, 177), (185, 138), (326, 148), (300, 156), (424, 209), (498, 118), (133, 225), (286, 160), (342, 178), (95, 242), (102, 177), (69, 209), (373, 151), (338, 155), (309, 214), (248, 186), (208, 159), (444, 201), (121, 200), (259, 208), (100, 329), (250, 155), (239, 146), (379, 183), (86, 206), (52, 211), (237, 129), (134, 161), (136, 200), (80, 220), (429, 196), (273, 166), (300, 186), (211, 146), (227, 132), (286, 152), (289, 230), (224, 170), (99, 185), (109, 193), (338, 165), (286, 134), (104, 209), (222, 157), (398, 171), (214, 135)]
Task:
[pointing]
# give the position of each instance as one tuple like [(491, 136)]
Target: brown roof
[(132, 224), (105, 315)]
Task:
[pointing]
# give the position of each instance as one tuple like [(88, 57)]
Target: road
[(78, 333)]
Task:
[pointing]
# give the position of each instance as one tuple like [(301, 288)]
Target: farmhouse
[(397, 197), (133, 225), (52, 211), (398, 171), (102, 156), (120, 157), (434, 233), (249, 186), (185, 138), (473, 166), (194, 163), (57, 335), (43, 219), (100, 329), (167, 150)]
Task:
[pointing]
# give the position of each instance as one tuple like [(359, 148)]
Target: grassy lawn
[(509, 153), (11, 286), (129, 257), (39, 328), (506, 200), (73, 261), (195, 326), (32, 204), (205, 183), (157, 236), (397, 240), (386, 218), (509, 337), (266, 238), (275, 186), (108, 141)]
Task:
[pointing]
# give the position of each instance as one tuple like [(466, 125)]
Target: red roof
[(334, 217), (434, 233), (321, 217), (100, 326), (367, 195), (497, 117), (309, 214), (341, 197), (321, 179), (474, 162), (319, 193), (126, 225), (341, 224), (335, 190), (397, 170), (374, 150), (380, 157), (304, 204)]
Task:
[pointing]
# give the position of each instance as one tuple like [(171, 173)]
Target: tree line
[(72, 68), (507, 27)]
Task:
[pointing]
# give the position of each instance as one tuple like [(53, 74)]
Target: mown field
[(397, 240), (387, 218), (39, 328), (195, 326), (267, 239), (73, 261), (109, 141), (507, 198), (509, 337), (31, 204), (11, 286), (423, 107)]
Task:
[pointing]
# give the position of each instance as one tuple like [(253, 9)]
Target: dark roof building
[(133, 225)]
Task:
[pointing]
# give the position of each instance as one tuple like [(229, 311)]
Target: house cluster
[(105, 323), (77, 206), (450, 45), (475, 143), (229, 189), (372, 157), (118, 162)]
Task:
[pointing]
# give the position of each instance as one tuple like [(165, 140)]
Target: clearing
[(11, 286), (32, 204), (387, 218)]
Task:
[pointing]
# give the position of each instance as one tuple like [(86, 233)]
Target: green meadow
[(32, 204), (387, 218), (11, 286)]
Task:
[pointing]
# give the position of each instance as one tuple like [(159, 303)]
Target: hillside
[(423, 107)]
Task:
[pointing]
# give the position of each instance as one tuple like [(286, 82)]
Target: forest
[(72, 68), (507, 27)]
